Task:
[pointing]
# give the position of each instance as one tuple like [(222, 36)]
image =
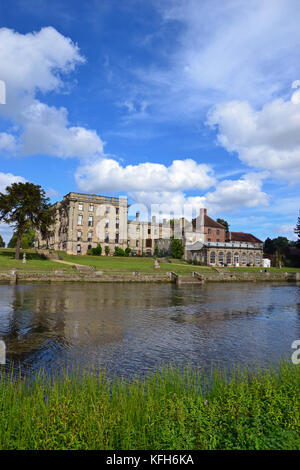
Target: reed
[(170, 409)]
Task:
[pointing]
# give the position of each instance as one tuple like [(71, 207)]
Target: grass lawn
[(258, 269), (144, 264), (170, 409), (34, 262), (119, 263), (37, 263)]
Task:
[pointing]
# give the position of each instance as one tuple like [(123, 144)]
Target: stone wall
[(15, 276)]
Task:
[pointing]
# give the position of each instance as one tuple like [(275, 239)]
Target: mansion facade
[(82, 221)]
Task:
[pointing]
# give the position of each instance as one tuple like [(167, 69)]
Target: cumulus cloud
[(267, 139), (7, 143), (47, 131), (244, 192), (6, 179), (32, 63), (153, 183), (109, 175), (39, 58), (228, 195)]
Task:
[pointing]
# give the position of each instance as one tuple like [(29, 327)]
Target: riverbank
[(171, 409), (70, 268), (16, 276)]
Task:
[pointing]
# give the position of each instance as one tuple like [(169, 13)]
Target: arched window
[(221, 257), (244, 258), (212, 258), (236, 258), (228, 258), (251, 259), (257, 259)]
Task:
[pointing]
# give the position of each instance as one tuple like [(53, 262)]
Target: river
[(130, 329)]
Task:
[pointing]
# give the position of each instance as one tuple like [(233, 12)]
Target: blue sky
[(182, 103)]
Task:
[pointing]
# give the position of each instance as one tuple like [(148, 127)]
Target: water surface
[(132, 328)]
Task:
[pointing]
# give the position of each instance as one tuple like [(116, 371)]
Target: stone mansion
[(82, 221)]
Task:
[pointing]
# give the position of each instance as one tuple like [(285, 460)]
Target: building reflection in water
[(131, 328)]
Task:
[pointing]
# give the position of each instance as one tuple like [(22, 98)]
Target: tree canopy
[(27, 239), (2, 242), (297, 231), (279, 244), (225, 223), (23, 204), (176, 248)]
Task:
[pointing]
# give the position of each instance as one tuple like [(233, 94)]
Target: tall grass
[(171, 409)]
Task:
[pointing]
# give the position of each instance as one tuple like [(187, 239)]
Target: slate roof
[(242, 237), (209, 222)]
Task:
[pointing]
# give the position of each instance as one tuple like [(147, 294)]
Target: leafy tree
[(176, 248), (25, 203), (97, 251), (281, 244), (269, 246), (27, 239), (297, 231), (225, 223), (2, 242)]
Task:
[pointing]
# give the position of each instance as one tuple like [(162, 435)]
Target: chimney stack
[(200, 222), (137, 216)]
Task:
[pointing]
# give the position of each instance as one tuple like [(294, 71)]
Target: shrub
[(106, 250), (127, 251), (97, 251), (119, 251)]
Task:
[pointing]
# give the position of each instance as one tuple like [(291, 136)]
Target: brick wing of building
[(207, 242)]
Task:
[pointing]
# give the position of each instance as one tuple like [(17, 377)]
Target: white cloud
[(52, 193), (6, 179), (286, 230), (36, 62), (228, 195), (108, 175), (47, 131), (267, 139), (152, 183), (213, 51), (244, 192), (7, 143)]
